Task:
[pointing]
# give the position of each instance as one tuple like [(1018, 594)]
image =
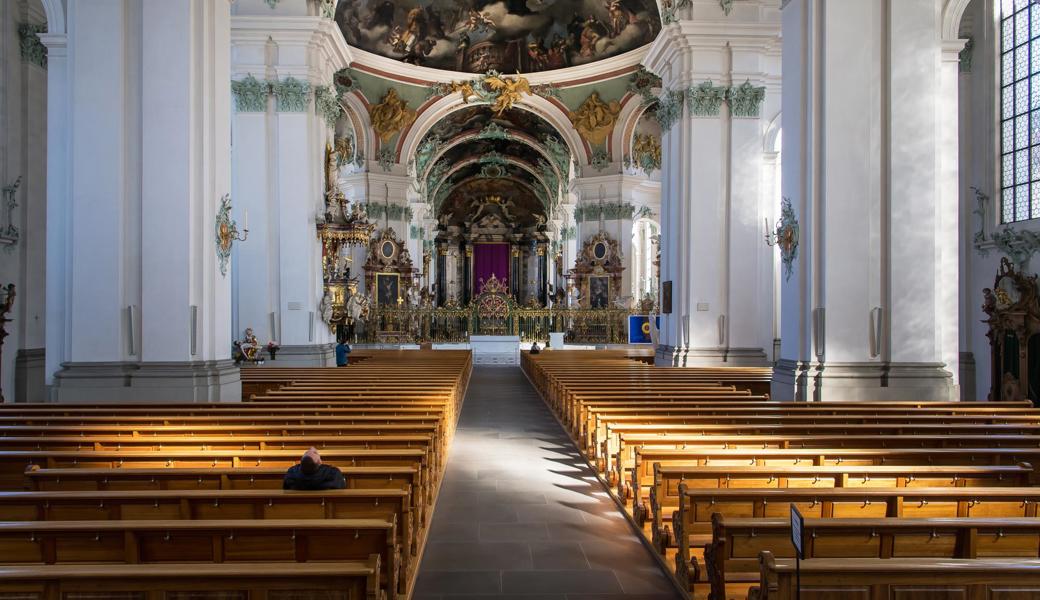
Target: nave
[(521, 514), (486, 490)]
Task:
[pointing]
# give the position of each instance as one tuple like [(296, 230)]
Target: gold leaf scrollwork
[(390, 116), (595, 118)]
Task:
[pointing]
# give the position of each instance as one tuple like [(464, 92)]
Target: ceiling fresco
[(475, 118), (522, 209), (478, 147), (509, 36)]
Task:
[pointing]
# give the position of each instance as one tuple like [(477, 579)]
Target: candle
[(245, 219)]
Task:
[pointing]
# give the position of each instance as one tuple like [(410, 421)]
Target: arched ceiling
[(473, 150), (468, 202), (510, 36), (475, 118)]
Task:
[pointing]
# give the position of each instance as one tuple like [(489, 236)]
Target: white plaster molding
[(396, 70), (55, 11), (624, 127), (952, 13), (317, 34), (358, 114), (677, 55)]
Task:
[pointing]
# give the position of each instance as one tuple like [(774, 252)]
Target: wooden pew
[(211, 541), (643, 475), (210, 478), (693, 523), (258, 581), (898, 579), (664, 495), (117, 505), (731, 557)]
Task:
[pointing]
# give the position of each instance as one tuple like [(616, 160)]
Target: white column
[(58, 203), (279, 177), (712, 202), (146, 315), (878, 235)]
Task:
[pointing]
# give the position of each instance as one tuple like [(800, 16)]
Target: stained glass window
[(1020, 110)]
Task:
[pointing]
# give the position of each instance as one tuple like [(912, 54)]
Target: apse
[(509, 36)]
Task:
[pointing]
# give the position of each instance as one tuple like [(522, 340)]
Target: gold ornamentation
[(463, 87), (508, 90), (646, 152), (390, 116), (344, 149), (595, 119)]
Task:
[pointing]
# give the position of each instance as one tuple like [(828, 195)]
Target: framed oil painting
[(599, 292), (666, 297), (388, 289)]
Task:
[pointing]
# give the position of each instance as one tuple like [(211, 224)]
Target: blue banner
[(639, 329)]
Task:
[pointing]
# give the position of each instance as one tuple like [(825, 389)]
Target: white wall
[(23, 153)]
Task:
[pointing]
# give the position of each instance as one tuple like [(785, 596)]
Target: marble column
[(721, 80), (143, 310), (870, 309)]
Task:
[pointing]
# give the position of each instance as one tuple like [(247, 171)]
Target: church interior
[(519, 299)]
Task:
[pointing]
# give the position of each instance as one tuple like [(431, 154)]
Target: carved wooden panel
[(306, 595), (838, 593), (1018, 592), (101, 596), (930, 592), (208, 595)]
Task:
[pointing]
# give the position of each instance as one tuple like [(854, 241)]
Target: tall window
[(1020, 110)]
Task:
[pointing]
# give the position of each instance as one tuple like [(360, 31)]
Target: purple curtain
[(488, 260)]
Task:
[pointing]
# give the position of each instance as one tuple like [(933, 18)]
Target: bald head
[(310, 461)]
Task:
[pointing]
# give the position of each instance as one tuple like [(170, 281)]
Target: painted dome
[(509, 36)]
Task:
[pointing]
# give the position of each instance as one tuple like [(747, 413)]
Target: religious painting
[(388, 289), (600, 250), (509, 36), (599, 292), (666, 297)]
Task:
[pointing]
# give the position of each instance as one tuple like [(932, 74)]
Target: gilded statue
[(646, 151), (507, 91), (463, 87), (595, 119), (344, 149), (390, 116)]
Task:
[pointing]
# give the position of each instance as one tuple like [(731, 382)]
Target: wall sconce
[(227, 232)]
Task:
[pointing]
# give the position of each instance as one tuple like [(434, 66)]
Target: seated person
[(311, 474), (535, 349), (342, 353)]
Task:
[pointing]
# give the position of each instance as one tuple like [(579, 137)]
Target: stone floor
[(520, 514)]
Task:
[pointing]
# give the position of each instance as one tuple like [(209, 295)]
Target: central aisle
[(521, 515)]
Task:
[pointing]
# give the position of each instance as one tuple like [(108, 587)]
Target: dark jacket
[(342, 350), (325, 478)]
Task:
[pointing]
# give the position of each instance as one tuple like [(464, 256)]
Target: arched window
[(1020, 110)]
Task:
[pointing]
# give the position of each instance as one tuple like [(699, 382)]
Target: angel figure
[(325, 307), (478, 21), (508, 90), (989, 301)]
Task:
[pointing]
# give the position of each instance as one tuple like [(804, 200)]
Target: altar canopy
[(489, 259)]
